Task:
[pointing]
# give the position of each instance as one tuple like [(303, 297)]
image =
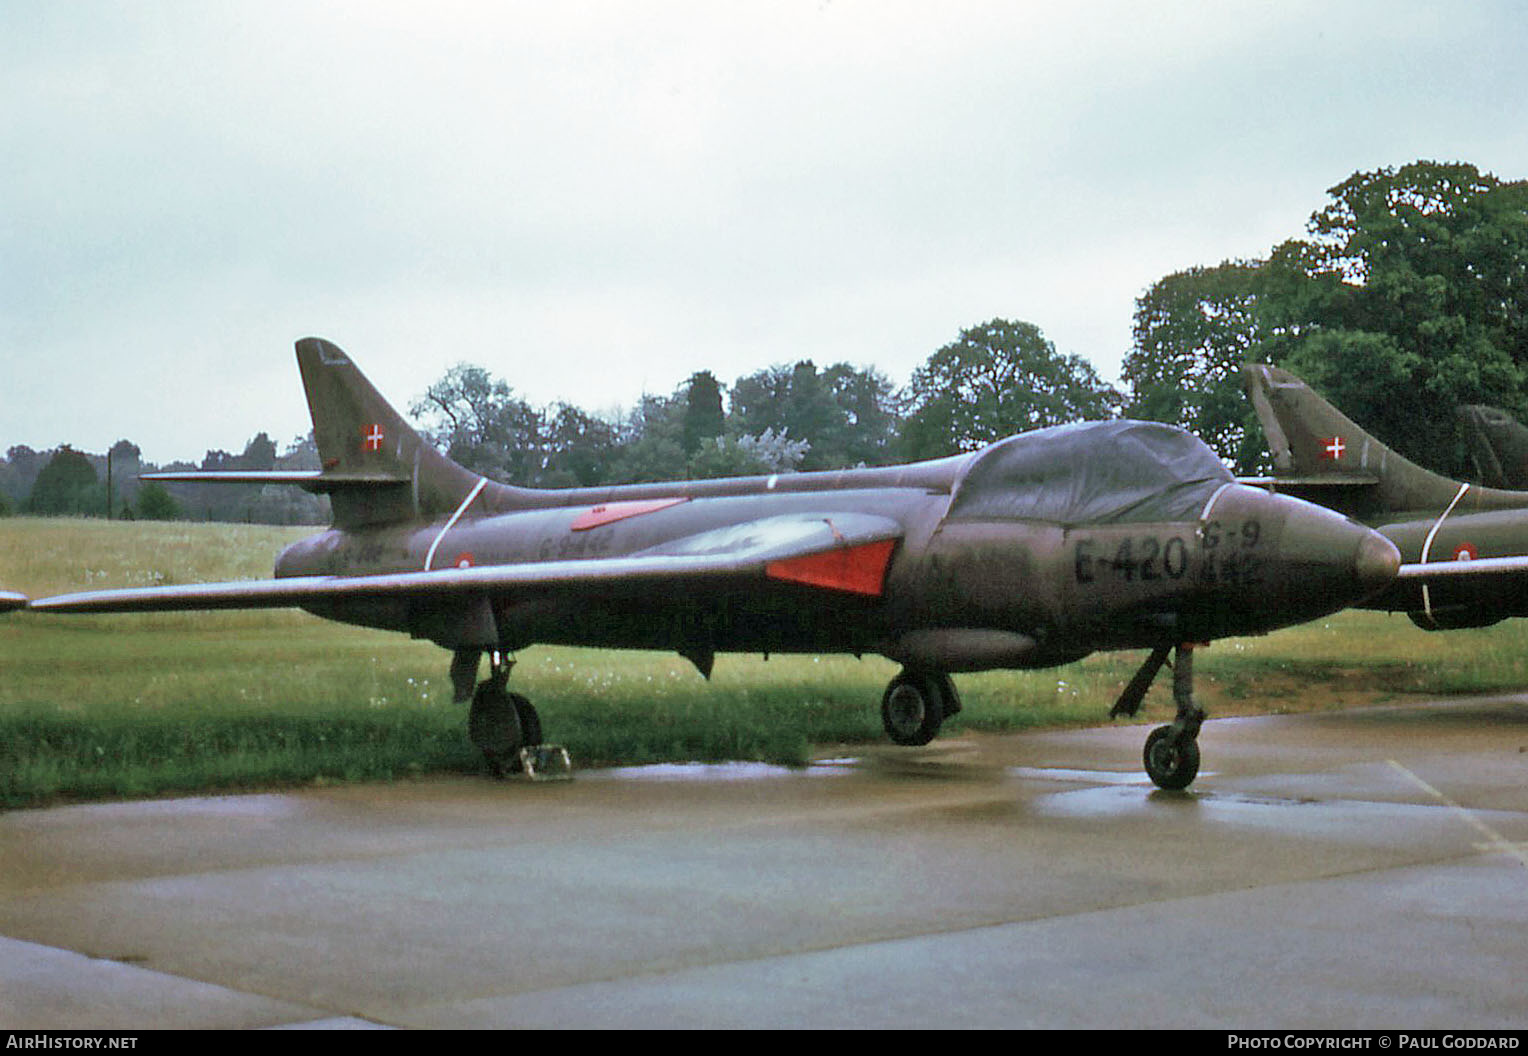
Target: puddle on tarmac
[(1091, 777), (1293, 813), (1112, 801), (721, 771)]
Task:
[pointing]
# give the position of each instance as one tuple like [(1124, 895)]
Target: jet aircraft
[(1465, 546), (1032, 552)]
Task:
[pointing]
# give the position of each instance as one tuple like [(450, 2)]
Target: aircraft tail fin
[(376, 467), (1316, 447), (1498, 446)]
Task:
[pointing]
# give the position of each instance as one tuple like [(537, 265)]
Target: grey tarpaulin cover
[(1091, 472)]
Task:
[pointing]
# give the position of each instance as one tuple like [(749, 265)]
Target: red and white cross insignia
[(1332, 448), (371, 438)]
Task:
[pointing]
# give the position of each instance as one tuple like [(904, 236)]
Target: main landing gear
[(504, 726), (1172, 752), (916, 704)]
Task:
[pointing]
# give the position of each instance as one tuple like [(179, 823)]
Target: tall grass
[(94, 706)]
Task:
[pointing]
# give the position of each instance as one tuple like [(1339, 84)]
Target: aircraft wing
[(10, 600), (846, 552), (1480, 566)]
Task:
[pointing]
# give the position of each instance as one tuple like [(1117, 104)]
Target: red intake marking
[(857, 569), (619, 511)]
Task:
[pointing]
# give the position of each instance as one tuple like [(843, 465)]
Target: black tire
[(949, 697), (912, 709), (1171, 765), (530, 721), (493, 725)]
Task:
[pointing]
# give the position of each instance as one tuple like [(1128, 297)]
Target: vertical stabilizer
[(375, 466), (1309, 437), (1320, 454)]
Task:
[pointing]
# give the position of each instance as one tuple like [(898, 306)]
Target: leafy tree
[(301, 453), (651, 442), (703, 418), (998, 379), (848, 416), (763, 400), (125, 461), (22, 465), (66, 485), (1193, 331), (742, 456), (477, 421), (581, 449), (259, 454), (870, 418), (156, 504)]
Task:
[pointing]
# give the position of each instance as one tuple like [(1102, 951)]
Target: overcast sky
[(594, 200)]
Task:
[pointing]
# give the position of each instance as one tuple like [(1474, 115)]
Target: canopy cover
[(1092, 472)]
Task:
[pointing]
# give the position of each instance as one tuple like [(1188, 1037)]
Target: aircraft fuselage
[(958, 593)]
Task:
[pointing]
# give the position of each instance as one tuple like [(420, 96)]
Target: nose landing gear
[(1171, 755)]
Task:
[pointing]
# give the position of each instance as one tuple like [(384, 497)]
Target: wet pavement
[(1355, 870)]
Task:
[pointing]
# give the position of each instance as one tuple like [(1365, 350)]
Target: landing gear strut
[(916, 704), (500, 723), (1171, 755)]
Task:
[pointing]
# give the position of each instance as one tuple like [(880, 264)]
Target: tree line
[(67, 482), (1406, 297)]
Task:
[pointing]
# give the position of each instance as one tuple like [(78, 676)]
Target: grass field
[(96, 706)]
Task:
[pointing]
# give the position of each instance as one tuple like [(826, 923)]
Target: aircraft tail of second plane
[(1321, 454)]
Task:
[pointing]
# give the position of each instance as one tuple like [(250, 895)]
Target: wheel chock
[(546, 762)]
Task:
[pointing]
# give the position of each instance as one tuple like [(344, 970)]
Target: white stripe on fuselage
[(429, 558)]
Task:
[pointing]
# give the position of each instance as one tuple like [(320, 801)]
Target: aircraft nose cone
[(1375, 563)]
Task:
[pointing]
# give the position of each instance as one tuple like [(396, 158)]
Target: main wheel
[(493, 725), (912, 709), (1169, 764)]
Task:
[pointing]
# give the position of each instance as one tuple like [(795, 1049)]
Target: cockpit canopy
[(1090, 472)]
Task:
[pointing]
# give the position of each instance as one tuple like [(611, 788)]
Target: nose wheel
[(1172, 762), (1171, 755)]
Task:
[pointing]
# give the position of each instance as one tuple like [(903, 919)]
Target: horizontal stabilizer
[(310, 480), (1344, 480)]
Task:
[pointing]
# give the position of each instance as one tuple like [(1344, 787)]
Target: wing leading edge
[(848, 552)]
